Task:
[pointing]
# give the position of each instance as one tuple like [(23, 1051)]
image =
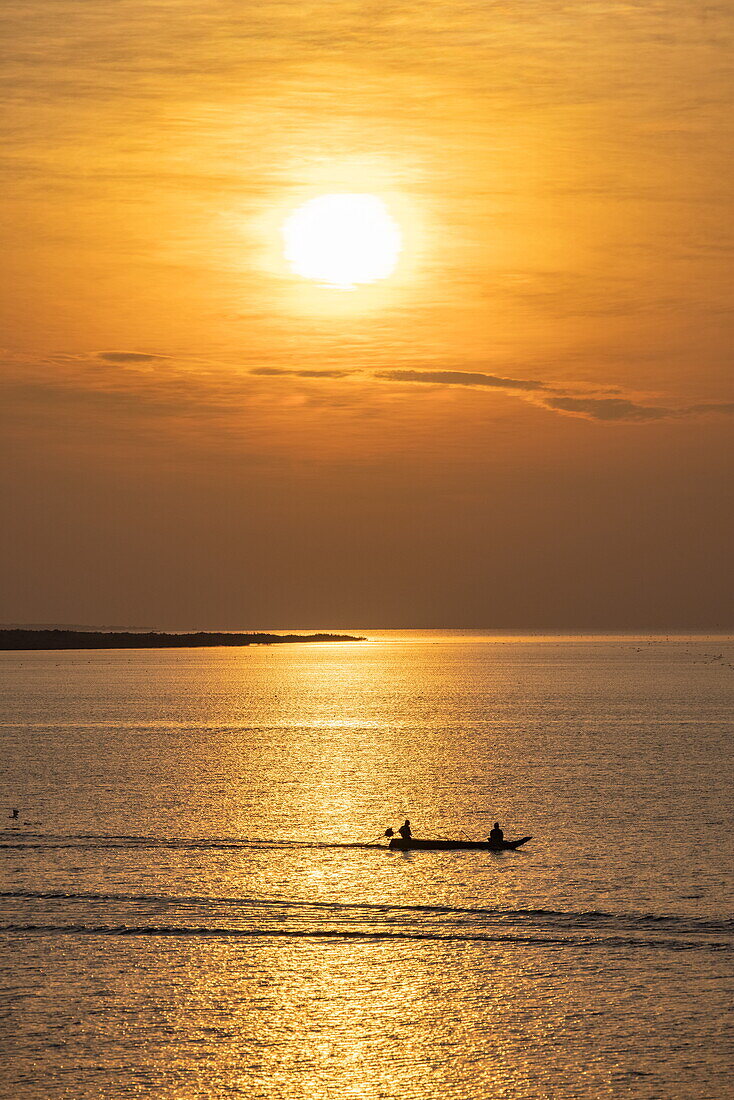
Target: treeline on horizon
[(123, 639)]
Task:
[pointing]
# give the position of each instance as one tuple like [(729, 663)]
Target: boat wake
[(13, 839), (130, 914)]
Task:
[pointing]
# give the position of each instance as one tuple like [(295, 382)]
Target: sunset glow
[(418, 313), (367, 417)]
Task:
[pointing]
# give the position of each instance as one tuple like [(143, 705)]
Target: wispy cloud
[(624, 409), (607, 404), (186, 391), (460, 378), (128, 356), (275, 372), (607, 408), (722, 407)]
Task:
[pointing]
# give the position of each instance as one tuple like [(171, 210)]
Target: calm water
[(193, 904)]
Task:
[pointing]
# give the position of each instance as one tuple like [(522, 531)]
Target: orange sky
[(528, 424)]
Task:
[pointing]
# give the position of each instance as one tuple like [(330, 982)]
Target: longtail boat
[(397, 844)]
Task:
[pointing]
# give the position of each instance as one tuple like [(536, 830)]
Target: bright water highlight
[(193, 902)]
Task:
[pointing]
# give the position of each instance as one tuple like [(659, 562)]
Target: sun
[(342, 240)]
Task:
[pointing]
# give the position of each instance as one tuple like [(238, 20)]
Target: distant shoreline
[(124, 639)]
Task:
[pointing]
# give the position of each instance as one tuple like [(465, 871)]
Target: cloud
[(608, 408), (188, 393), (608, 405), (592, 408), (275, 372), (622, 408), (726, 408), (128, 356), (460, 378)]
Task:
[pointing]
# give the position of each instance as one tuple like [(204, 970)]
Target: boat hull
[(397, 844)]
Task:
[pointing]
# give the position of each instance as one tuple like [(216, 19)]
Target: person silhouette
[(405, 830), (496, 836)]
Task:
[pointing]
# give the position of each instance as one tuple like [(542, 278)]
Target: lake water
[(194, 902)]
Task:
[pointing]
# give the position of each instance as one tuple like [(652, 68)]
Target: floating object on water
[(400, 845)]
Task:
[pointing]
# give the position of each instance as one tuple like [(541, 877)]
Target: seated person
[(404, 830), (496, 836)]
